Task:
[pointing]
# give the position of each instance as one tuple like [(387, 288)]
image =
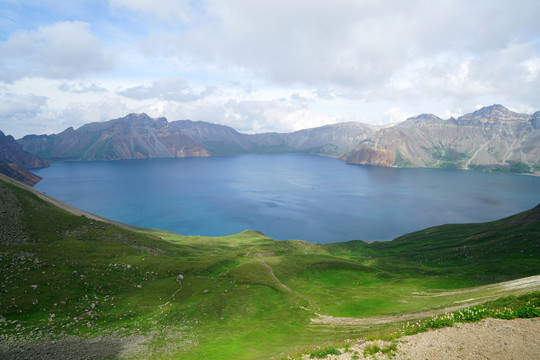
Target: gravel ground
[(70, 348), (487, 339)]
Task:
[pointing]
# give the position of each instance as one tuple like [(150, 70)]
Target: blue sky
[(263, 65)]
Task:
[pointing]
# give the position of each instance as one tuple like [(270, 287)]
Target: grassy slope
[(86, 277)]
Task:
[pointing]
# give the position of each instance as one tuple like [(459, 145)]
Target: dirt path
[(273, 276), (312, 305), (487, 339), (516, 287)]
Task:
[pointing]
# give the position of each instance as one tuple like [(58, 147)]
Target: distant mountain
[(138, 136), (14, 161), (492, 139)]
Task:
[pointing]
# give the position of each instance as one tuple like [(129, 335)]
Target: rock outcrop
[(14, 161), (492, 138)]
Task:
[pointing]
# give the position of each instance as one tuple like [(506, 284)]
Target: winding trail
[(172, 296), (273, 276), (513, 287), (312, 305), (518, 286)]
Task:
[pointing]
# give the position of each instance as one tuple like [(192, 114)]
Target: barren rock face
[(492, 138), (365, 155), (14, 161)]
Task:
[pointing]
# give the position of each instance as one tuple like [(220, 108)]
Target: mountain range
[(490, 139), (138, 136)]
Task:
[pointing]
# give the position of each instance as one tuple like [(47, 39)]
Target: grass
[(323, 353), (244, 296), (507, 308)]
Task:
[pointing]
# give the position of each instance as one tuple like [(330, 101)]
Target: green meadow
[(244, 296)]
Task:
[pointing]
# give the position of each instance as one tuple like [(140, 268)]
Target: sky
[(259, 66)]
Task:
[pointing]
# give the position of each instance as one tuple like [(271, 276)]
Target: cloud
[(181, 10), (281, 115), (63, 50), (77, 114), (22, 114), (18, 111), (172, 89), (80, 87), (372, 61), (360, 45), (15, 106)]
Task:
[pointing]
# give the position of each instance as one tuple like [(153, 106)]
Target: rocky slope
[(135, 136), (492, 138), (14, 161), (139, 136)]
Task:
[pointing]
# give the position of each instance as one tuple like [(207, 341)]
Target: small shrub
[(322, 353), (526, 312), (389, 349), (439, 322), (371, 349), (506, 314), (317, 354), (472, 314)]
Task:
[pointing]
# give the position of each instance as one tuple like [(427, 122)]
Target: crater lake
[(286, 196)]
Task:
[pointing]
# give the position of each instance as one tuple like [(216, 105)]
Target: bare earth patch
[(487, 339), (517, 287)]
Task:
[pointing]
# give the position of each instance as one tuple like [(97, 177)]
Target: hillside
[(15, 162), (75, 278), (137, 136), (492, 139)]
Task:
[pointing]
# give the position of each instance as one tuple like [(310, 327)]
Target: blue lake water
[(286, 196)]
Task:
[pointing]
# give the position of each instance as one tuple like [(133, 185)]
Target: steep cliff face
[(492, 138), (19, 174), (14, 161), (12, 152)]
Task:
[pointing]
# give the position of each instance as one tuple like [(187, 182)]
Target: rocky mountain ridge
[(137, 136), (492, 139), (14, 161)]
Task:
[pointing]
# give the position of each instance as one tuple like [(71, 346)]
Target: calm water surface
[(286, 196)]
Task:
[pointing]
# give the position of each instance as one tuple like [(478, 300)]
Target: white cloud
[(172, 89), (80, 87), (237, 62), (19, 112), (532, 66), (371, 50), (182, 10), (63, 50), (277, 115), (15, 106), (78, 114)]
